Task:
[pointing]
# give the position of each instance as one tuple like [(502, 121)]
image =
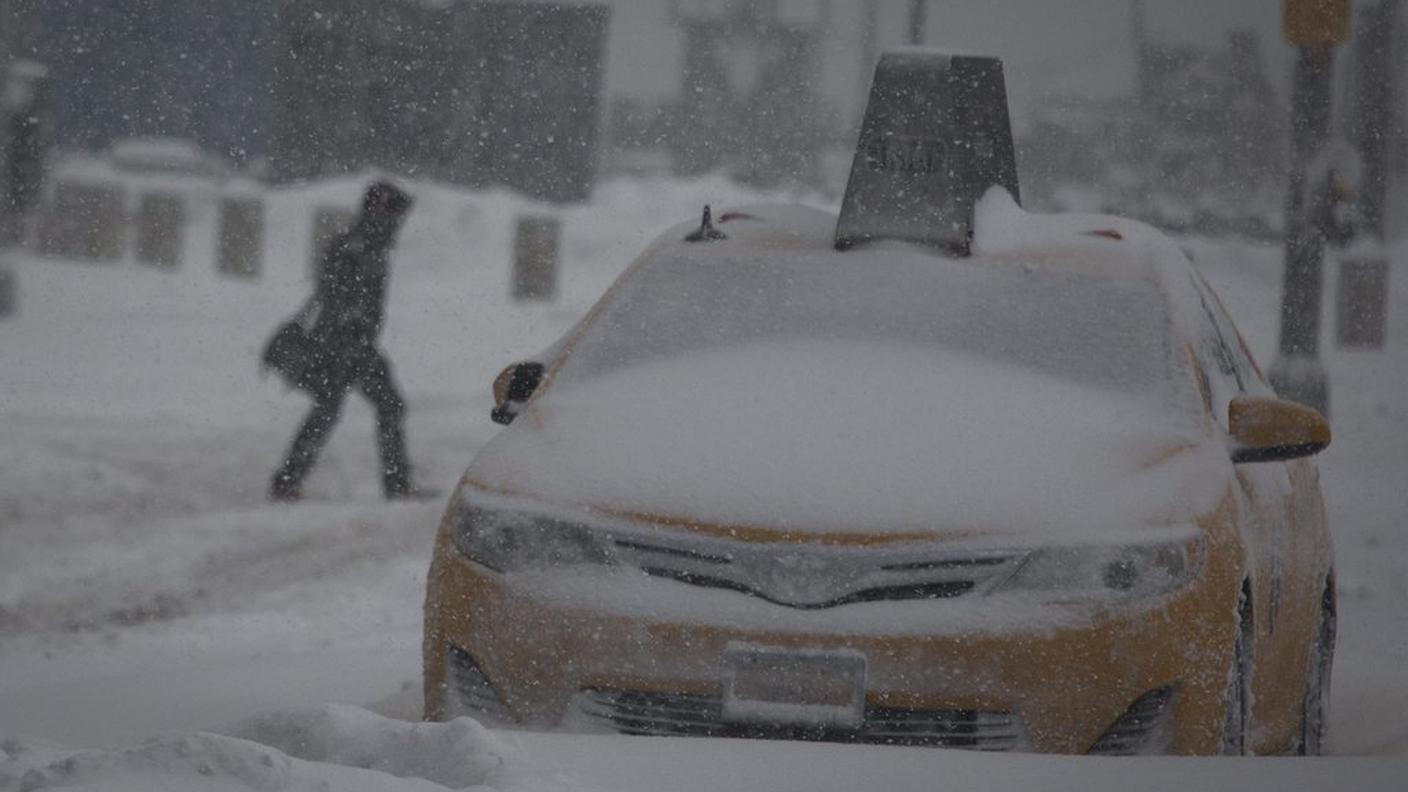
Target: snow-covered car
[(935, 471), (1036, 498)]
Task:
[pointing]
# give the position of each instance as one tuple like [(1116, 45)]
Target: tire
[(1239, 701), (1315, 707)]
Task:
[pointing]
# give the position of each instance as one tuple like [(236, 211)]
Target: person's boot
[(287, 484), (394, 488), (391, 447), (284, 489), (396, 484)]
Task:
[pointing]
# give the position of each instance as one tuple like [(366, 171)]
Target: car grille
[(678, 715), (817, 576)]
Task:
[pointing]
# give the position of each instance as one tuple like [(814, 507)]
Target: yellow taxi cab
[(790, 479)]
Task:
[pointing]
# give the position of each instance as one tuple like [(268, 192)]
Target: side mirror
[(512, 389), (1266, 429)]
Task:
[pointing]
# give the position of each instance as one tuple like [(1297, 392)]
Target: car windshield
[(1105, 332)]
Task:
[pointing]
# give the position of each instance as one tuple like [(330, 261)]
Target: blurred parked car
[(1037, 498)]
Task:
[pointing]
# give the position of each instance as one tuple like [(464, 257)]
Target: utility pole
[(1375, 88), (7, 44), (917, 21), (1314, 27), (7, 220), (1362, 302)]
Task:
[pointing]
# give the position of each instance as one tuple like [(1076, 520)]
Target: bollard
[(241, 238), (84, 220), (161, 218), (328, 222), (535, 258), (7, 292), (1360, 303)]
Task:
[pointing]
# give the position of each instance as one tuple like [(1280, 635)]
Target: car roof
[(1005, 235), (674, 402)]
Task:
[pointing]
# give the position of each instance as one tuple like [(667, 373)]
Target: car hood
[(841, 436)]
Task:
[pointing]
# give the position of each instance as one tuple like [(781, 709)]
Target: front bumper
[(647, 660)]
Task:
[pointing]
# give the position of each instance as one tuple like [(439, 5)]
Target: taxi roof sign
[(936, 136)]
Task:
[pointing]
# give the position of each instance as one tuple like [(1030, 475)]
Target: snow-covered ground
[(147, 588)]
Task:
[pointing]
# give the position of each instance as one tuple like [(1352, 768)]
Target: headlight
[(1124, 571), (508, 540)]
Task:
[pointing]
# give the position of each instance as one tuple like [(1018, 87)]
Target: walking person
[(331, 346)]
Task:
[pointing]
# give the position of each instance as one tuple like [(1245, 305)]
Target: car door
[(1283, 523)]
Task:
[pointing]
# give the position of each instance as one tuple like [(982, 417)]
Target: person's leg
[(288, 480), (380, 390)]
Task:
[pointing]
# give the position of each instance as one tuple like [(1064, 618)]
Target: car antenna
[(706, 231)]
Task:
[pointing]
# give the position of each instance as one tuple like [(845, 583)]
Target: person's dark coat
[(331, 346), (347, 309)]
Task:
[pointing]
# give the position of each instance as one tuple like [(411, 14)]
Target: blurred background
[(171, 171), (1177, 113)]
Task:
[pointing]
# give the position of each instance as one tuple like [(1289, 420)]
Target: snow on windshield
[(1110, 333), (837, 387)]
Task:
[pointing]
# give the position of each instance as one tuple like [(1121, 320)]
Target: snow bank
[(330, 748), (457, 754), (195, 763), (351, 750)]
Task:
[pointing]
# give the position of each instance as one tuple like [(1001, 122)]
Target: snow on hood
[(846, 435), (767, 380)]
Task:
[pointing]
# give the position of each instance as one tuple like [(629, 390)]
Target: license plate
[(805, 687)]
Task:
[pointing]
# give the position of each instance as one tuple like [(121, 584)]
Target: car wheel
[(1315, 709), (1238, 698)]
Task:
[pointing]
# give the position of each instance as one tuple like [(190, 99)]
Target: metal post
[(917, 21), (7, 45), (1362, 303), (1374, 91), (1314, 27), (1297, 373), (7, 279)]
